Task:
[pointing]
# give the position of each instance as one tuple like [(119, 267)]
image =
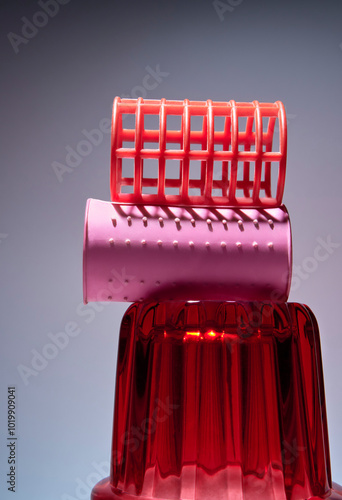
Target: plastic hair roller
[(219, 387), (231, 144), (144, 252)]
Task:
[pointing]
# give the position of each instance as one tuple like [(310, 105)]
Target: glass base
[(105, 491)]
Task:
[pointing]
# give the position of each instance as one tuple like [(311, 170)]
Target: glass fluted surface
[(221, 400)]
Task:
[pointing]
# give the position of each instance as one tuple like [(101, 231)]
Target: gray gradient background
[(63, 81)]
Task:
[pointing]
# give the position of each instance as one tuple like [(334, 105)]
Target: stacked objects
[(219, 385)]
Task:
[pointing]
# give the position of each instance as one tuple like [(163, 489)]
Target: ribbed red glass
[(219, 400)]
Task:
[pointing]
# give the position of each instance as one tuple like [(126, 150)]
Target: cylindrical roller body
[(134, 253), (198, 153)]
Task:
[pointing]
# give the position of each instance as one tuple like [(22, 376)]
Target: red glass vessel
[(219, 399)]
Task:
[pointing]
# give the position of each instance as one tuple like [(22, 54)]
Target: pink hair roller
[(134, 253)]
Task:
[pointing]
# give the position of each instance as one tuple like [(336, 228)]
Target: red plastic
[(198, 153), (219, 400)]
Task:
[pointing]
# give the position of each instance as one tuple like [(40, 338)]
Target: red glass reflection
[(221, 400)]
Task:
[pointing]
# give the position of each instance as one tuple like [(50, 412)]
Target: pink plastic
[(134, 253), (198, 153)]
